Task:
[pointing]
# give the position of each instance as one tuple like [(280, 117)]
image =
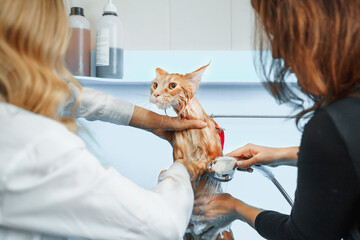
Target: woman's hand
[(218, 211), (252, 154), (161, 125), (171, 124), (215, 212)]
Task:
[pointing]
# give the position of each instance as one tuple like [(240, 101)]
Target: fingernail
[(203, 124), (239, 163)]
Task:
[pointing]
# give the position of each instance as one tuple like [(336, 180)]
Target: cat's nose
[(156, 95)]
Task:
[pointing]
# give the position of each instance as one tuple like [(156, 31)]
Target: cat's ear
[(160, 72), (195, 77)]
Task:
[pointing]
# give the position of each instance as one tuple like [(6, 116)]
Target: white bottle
[(78, 53), (109, 44)]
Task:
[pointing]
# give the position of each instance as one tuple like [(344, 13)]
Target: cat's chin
[(162, 106)]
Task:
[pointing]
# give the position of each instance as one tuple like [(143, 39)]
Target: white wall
[(179, 24), (140, 155)]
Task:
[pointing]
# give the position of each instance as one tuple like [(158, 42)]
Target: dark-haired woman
[(319, 41)]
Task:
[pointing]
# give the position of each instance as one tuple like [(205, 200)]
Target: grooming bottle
[(109, 44), (78, 53)]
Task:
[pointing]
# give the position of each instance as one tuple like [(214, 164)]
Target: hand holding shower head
[(222, 169)]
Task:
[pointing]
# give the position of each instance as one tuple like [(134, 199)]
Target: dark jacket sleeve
[(327, 188)]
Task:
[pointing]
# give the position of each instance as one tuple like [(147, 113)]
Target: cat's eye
[(172, 86), (155, 85)]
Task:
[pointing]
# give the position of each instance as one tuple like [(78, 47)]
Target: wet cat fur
[(196, 147)]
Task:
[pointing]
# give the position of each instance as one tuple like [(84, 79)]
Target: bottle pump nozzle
[(110, 7)]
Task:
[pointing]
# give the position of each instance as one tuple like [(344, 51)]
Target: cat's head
[(174, 90)]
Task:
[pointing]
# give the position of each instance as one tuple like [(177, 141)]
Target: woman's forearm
[(145, 119), (288, 156), (246, 212)]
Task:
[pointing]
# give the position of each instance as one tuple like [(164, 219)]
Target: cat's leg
[(198, 168), (195, 169), (179, 148), (189, 168)]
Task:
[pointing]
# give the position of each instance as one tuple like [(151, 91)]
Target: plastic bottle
[(109, 44), (78, 53)]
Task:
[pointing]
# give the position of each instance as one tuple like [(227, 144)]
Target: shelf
[(226, 66), (93, 81), (96, 80)]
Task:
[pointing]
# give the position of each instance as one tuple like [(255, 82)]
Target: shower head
[(222, 169)]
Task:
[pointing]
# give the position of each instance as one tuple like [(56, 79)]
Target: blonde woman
[(51, 187)]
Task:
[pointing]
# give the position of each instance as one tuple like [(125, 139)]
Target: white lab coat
[(52, 187)]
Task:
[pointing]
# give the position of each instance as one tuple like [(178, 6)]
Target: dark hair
[(317, 40)]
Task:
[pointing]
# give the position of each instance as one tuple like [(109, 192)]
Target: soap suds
[(224, 165)]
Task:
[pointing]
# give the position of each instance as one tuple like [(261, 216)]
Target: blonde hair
[(33, 40)]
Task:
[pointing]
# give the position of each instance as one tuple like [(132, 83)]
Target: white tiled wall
[(200, 24), (179, 24), (242, 23)]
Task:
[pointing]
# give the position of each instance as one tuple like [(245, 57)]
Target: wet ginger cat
[(196, 147)]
